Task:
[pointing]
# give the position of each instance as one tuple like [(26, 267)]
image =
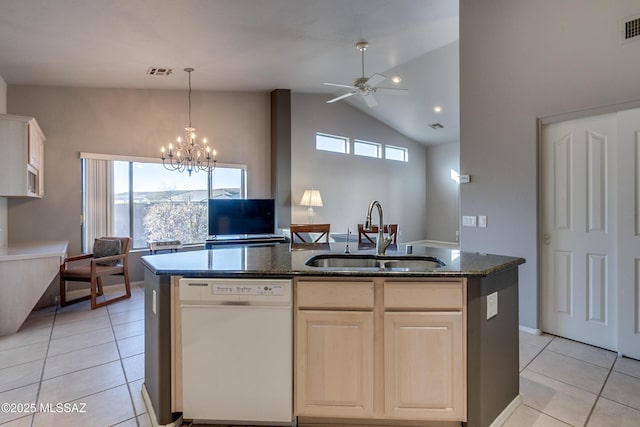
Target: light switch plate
[(468, 221), (482, 221), (492, 305)]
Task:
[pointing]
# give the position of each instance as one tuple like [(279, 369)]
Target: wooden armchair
[(323, 229), (111, 265), (369, 234)]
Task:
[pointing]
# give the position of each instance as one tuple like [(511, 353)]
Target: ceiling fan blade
[(375, 80), (338, 85), (370, 100), (392, 91), (346, 95)]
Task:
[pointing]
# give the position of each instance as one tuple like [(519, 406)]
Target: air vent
[(159, 71), (631, 28), (436, 126)]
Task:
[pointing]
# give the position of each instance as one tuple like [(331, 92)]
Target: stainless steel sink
[(346, 261), (413, 264), (375, 262)]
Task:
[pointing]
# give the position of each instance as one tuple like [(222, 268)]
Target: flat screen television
[(241, 216)]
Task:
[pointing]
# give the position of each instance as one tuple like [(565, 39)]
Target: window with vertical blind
[(139, 198)]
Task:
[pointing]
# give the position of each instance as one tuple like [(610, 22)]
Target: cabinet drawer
[(420, 295), (318, 294)]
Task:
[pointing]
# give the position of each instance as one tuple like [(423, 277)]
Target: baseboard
[(506, 412), (530, 330), (152, 413), (435, 244)]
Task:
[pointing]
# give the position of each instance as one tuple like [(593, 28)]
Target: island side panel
[(157, 344), (492, 345)]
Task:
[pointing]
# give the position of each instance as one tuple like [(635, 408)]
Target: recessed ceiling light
[(396, 79), (437, 108)]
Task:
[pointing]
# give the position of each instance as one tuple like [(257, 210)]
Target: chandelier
[(188, 154)]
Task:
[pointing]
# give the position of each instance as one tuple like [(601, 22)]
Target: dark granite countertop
[(280, 260)]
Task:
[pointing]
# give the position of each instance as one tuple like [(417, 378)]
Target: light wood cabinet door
[(424, 365), (36, 144), (334, 363), (22, 142)]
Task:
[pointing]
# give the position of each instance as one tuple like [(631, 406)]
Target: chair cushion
[(106, 247)]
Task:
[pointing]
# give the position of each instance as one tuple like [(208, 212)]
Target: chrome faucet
[(381, 242)]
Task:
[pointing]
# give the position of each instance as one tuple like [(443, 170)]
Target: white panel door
[(629, 233), (579, 230)]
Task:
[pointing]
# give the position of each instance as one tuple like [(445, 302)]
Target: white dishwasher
[(237, 350)]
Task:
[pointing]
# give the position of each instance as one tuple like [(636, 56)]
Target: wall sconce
[(312, 199)]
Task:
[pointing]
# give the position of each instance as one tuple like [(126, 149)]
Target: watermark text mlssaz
[(32, 407)]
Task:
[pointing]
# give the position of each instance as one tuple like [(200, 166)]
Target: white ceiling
[(244, 45)]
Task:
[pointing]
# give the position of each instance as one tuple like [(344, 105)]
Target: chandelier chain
[(189, 96)]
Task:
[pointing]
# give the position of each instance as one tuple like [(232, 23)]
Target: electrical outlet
[(468, 221), (492, 305), (482, 221)]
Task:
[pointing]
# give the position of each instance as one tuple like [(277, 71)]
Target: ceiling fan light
[(396, 79)]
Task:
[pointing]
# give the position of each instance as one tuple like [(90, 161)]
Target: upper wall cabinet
[(22, 160)]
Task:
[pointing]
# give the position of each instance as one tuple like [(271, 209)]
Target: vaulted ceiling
[(245, 45)]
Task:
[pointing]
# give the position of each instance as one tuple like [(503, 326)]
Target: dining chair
[(305, 229), (369, 235)]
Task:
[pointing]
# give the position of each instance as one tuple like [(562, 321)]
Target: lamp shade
[(311, 198)]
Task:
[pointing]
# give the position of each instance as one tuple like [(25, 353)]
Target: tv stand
[(244, 239)]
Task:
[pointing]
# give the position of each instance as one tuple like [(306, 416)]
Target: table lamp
[(311, 198)]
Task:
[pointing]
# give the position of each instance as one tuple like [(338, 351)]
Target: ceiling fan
[(366, 86)]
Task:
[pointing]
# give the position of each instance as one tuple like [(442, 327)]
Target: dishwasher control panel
[(230, 291), (247, 289)]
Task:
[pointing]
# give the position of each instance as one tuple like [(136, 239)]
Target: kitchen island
[(488, 347)]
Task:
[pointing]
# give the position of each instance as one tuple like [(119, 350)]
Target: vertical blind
[(98, 206)]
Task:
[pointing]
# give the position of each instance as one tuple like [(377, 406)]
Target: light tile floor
[(95, 359), (90, 360), (566, 383)]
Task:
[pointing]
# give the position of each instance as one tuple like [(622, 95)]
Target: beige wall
[(3, 201), (349, 183), (132, 123), (442, 192), (521, 60)]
